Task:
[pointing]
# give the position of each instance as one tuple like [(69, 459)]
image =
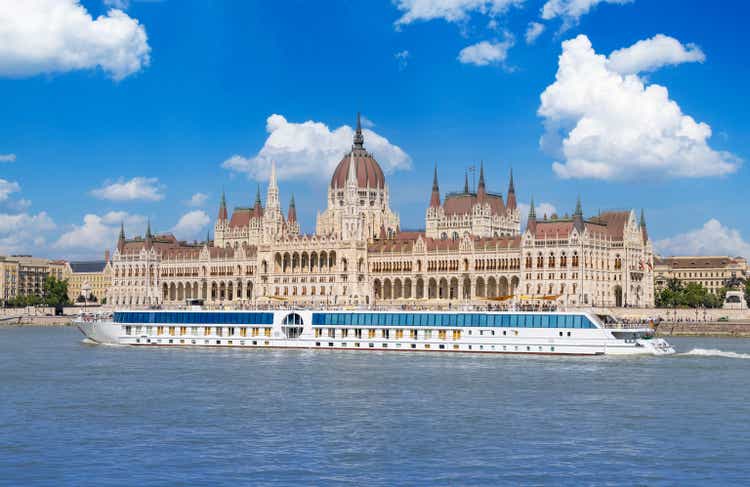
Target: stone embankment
[(35, 320), (684, 329)]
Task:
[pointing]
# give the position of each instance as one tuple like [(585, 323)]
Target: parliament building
[(471, 252)]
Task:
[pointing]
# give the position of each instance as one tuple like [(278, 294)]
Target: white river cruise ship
[(552, 333)]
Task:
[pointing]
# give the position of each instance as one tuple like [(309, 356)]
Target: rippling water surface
[(78, 414)]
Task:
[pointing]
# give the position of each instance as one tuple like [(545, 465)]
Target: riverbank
[(707, 329), (31, 320)]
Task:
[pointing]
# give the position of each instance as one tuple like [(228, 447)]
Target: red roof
[(241, 217), (369, 173), (462, 203)]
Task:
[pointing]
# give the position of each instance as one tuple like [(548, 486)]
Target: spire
[(435, 197), (272, 180), (511, 193), (644, 232), (121, 238), (643, 219), (223, 206), (578, 216), (481, 190), (208, 238), (466, 182), (351, 177), (292, 216), (531, 222), (257, 198), (149, 237), (359, 140)]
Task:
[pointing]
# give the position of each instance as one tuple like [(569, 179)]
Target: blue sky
[(129, 116)]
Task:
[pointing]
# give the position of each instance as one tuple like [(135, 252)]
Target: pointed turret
[(258, 207), (435, 196), (466, 182), (149, 237), (359, 140), (578, 216), (292, 216), (272, 196), (121, 238), (208, 238), (481, 190), (351, 176), (644, 232), (511, 193), (223, 207), (531, 222)]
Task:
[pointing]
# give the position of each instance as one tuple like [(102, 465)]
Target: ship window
[(292, 325)]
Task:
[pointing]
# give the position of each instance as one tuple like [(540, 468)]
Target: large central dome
[(369, 173)]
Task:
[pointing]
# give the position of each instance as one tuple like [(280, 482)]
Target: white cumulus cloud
[(7, 158), (191, 224), (533, 31), (572, 10), (311, 150), (8, 187), (712, 238), (56, 36), (651, 54), (486, 52), (198, 199), (98, 232), (450, 10), (23, 232), (608, 126), (138, 188)]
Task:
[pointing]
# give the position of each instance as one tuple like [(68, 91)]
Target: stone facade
[(711, 272), (472, 251), (24, 275), (90, 279)]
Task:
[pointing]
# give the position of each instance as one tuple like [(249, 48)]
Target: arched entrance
[(618, 296)]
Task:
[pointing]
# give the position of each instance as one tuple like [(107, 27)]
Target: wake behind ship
[(553, 333)]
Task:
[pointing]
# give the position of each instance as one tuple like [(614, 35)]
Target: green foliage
[(23, 301), (694, 295), (55, 292)]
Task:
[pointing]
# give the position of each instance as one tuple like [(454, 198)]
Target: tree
[(55, 292), (692, 295)]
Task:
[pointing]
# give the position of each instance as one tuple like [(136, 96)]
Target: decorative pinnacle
[(122, 230), (511, 188), (643, 218), (532, 210), (466, 182), (359, 139), (435, 186), (257, 197), (579, 210)]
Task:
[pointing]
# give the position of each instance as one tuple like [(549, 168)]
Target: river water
[(78, 414)]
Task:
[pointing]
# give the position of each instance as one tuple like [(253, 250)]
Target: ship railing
[(625, 326)]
